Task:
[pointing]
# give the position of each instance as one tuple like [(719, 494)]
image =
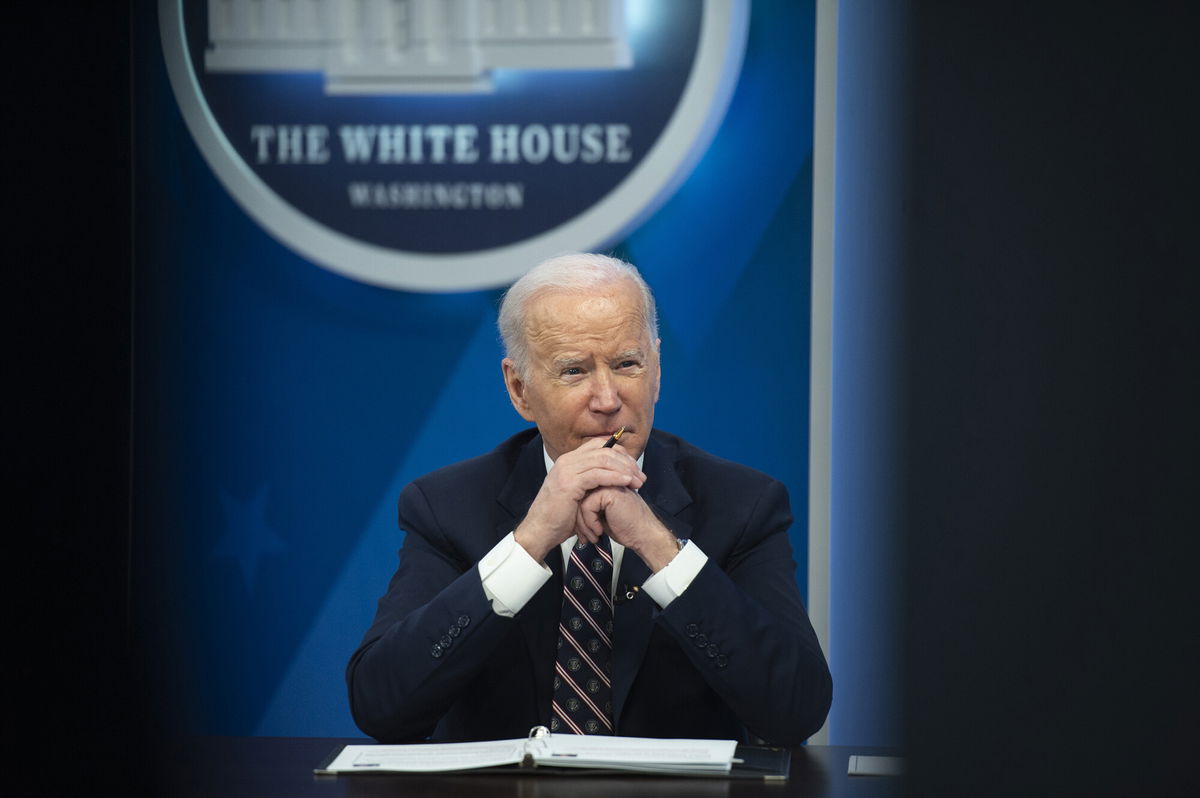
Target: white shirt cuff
[(669, 583), (510, 576)]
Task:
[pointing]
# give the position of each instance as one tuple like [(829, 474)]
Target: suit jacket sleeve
[(433, 632), (742, 623)]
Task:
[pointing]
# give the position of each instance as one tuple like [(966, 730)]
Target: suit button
[(464, 621), (436, 651), (691, 629), (701, 641), (445, 641), (712, 650), (454, 631), (722, 661)]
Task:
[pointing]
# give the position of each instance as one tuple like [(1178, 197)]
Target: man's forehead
[(619, 296), (606, 306), (576, 327), (570, 343)]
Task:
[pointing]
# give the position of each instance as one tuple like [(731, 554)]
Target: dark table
[(275, 767)]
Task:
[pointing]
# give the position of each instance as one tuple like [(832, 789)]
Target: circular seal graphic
[(449, 145)]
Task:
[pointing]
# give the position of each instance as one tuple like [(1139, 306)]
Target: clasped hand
[(590, 492)]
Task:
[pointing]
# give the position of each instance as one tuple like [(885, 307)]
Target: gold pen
[(611, 442)]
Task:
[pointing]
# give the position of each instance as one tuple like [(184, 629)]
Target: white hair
[(573, 273)]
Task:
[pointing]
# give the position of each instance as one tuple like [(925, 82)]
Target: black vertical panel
[(71, 705), (1051, 443)]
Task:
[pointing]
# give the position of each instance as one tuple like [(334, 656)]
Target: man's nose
[(605, 398)]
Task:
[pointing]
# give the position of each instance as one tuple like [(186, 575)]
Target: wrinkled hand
[(555, 513), (626, 518)]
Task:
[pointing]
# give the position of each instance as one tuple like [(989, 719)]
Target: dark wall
[(1052, 368)]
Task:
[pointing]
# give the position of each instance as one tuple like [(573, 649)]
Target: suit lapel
[(526, 478), (633, 620)]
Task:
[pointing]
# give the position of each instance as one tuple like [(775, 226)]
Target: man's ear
[(516, 388), (658, 365)]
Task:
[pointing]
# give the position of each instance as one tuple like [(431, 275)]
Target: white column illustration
[(270, 35), (554, 34), (414, 46)]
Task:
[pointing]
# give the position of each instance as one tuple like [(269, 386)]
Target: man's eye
[(574, 371), (627, 364)]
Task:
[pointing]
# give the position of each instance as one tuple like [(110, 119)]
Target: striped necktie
[(583, 665)]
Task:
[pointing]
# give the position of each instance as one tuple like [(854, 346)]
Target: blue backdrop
[(279, 407)]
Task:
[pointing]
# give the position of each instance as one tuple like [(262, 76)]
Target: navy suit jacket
[(734, 654)]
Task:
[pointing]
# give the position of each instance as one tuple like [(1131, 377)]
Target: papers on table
[(639, 754), (427, 758)]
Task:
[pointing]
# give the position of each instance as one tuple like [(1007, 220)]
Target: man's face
[(592, 369)]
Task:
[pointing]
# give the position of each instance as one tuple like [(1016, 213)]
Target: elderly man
[(594, 575)]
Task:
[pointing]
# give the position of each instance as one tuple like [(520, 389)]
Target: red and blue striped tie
[(583, 667)]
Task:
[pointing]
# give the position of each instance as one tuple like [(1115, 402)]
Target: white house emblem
[(447, 145)]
